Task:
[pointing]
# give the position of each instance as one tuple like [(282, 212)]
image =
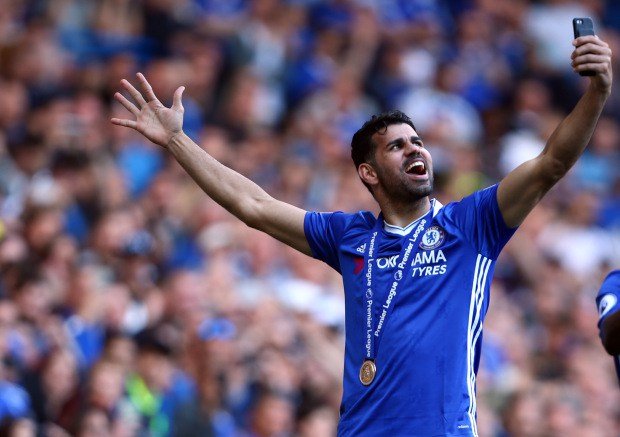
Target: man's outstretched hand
[(593, 54), (153, 120)]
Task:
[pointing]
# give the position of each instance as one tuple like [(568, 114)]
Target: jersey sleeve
[(481, 222), (607, 297), (324, 232)]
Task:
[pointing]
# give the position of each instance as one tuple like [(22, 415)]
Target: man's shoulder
[(358, 223), (359, 219), (608, 295), (611, 284), (340, 226), (330, 233)]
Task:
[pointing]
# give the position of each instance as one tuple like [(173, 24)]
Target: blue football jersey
[(607, 304), (429, 351)]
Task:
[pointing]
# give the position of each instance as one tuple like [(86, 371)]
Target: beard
[(400, 188)]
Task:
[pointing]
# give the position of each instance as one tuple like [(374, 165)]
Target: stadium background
[(131, 304)]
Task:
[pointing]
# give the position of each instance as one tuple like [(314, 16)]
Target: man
[(416, 278), (609, 316)]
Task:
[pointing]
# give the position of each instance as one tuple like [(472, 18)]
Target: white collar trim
[(402, 231)]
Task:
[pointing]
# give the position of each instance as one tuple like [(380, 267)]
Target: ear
[(367, 174)]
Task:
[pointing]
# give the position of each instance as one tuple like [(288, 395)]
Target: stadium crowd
[(132, 304)]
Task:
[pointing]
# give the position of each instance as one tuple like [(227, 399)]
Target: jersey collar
[(398, 230)]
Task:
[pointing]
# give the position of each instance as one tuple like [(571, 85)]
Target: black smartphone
[(581, 27)]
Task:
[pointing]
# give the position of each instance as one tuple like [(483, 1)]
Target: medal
[(368, 372)]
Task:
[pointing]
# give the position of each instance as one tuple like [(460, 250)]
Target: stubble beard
[(405, 190), (417, 192)]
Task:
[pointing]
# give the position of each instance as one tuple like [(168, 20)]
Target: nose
[(412, 148)]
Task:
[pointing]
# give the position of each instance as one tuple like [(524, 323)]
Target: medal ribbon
[(373, 335)]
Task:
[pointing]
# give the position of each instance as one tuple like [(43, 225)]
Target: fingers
[(177, 103), (594, 39), (589, 47), (591, 54), (146, 88), (127, 104), (134, 93), (142, 108), (596, 67), (589, 59), (124, 122)]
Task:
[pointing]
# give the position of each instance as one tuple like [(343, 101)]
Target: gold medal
[(368, 372)]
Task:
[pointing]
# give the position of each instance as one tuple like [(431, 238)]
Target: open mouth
[(416, 168)]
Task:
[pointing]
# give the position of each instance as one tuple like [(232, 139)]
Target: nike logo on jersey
[(607, 303)]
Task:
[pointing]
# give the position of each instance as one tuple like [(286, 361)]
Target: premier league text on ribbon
[(369, 369), (371, 248), (398, 276)]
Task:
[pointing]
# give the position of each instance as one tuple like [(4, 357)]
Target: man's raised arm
[(237, 194), (522, 188)]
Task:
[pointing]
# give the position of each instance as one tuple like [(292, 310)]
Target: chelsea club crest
[(432, 238)]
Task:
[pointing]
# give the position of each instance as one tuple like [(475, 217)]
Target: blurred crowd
[(133, 305)]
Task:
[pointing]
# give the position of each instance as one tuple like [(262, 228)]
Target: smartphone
[(581, 27)]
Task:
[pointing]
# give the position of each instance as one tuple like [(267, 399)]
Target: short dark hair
[(362, 145)]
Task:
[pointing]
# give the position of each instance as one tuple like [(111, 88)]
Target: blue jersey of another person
[(430, 348), (607, 304)]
